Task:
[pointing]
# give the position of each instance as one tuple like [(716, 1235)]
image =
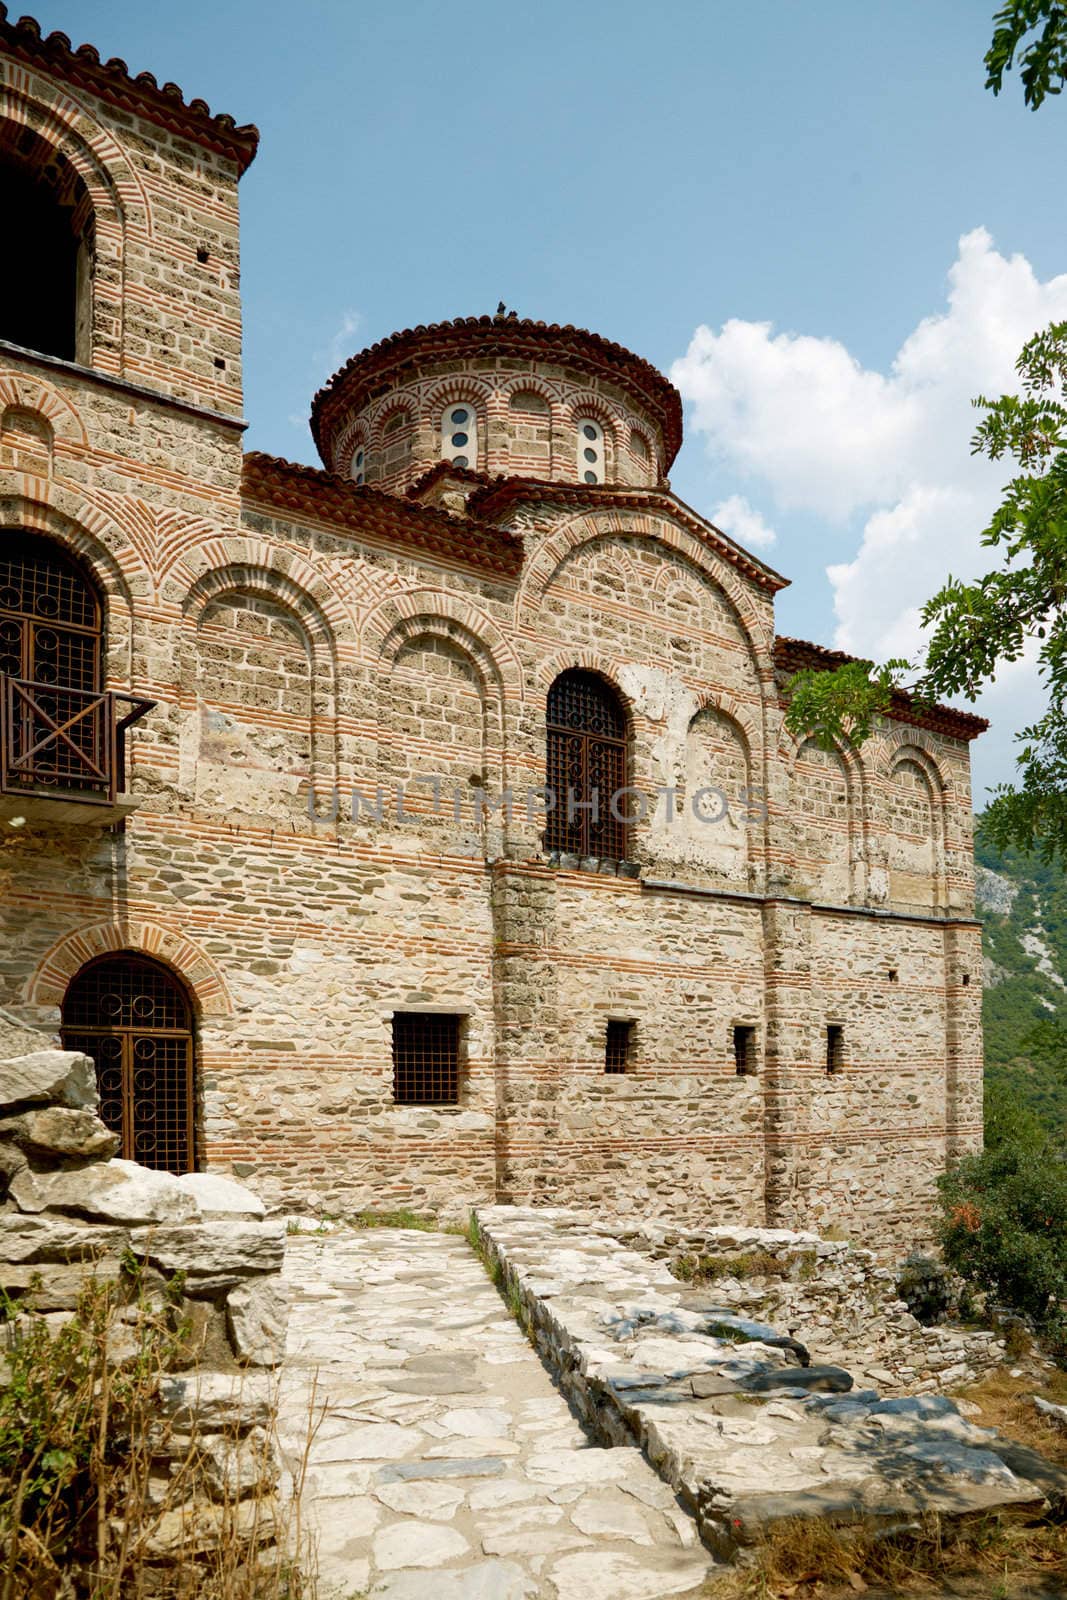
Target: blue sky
[(647, 171)]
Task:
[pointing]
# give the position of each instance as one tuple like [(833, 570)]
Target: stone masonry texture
[(348, 677)]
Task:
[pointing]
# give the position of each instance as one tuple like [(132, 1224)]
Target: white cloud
[(743, 522), (340, 344), (885, 456)]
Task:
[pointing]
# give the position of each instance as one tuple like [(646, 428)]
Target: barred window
[(618, 1046), (744, 1051), (835, 1047), (425, 1058), (51, 621), (586, 767)]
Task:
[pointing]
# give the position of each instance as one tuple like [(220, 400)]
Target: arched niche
[(913, 818), (823, 821)]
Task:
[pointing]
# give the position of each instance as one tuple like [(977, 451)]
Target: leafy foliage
[(974, 627), (1036, 32), (1024, 1007), (1004, 1226)]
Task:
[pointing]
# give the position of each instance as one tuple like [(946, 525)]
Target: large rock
[(216, 1400), (221, 1197), (257, 1315), (114, 1191), (57, 1287), (214, 1255), (16, 1039), (50, 1238), (817, 1380), (64, 1132), (48, 1075)]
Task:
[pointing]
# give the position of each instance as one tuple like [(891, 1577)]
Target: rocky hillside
[(1023, 906)]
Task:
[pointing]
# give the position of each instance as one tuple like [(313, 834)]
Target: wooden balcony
[(63, 752)]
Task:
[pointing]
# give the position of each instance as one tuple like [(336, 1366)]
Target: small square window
[(745, 1051), (425, 1058), (618, 1046), (835, 1047)]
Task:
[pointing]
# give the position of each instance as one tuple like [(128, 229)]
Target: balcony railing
[(65, 744)]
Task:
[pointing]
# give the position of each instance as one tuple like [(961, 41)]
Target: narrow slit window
[(359, 464), (835, 1047), (745, 1051), (618, 1046), (425, 1059)]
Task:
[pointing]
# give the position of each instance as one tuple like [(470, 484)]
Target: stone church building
[(279, 747)]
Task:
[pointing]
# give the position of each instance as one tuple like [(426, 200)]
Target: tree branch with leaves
[(1017, 609)]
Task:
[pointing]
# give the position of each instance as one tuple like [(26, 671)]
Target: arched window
[(46, 264), (590, 451), (358, 469), (51, 619), (132, 1016), (586, 767), (459, 435), (394, 422), (56, 727)]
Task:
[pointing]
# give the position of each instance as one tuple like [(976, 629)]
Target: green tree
[(1036, 32), (977, 626), (1004, 1222)]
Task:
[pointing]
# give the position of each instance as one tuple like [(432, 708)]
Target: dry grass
[(1006, 1403), (988, 1558), (105, 1495)]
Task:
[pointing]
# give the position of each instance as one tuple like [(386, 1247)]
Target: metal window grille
[(133, 1019), (744, 1051), (50, 618), (586, 767), (835, 1048), (425, 1058), (617, 1046)]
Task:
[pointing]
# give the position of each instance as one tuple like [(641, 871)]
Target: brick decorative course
[(347, 680)]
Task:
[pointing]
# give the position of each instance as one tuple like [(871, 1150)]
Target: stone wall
[(195, 1250), (733, 1412), (838, 1300), (306, 641)]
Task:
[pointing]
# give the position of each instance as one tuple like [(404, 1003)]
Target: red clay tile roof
[(495, 498), (113, 82), (517, 337), (444, 469), (325, 497), (798, 655)]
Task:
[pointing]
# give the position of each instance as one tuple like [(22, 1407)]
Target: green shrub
[(1004, 1224)]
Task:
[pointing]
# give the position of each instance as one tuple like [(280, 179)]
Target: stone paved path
[(449, 1466)]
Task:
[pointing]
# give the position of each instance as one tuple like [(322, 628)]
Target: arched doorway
[(132, 1016)]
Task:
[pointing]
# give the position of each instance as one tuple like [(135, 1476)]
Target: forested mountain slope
[(1023, 907)]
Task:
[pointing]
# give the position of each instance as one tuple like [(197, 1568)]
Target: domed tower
[(500, 396)]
